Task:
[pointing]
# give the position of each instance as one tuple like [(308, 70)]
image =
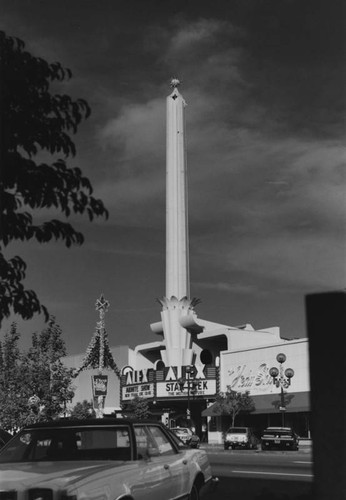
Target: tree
[(34, 384), (46, 376), (232, 403), (13, 397), (82, 410), (36, 123), (136, 408)]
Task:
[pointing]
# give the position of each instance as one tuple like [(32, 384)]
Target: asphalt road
[(258, 475)]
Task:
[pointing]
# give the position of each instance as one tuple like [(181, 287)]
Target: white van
[(240, 437)]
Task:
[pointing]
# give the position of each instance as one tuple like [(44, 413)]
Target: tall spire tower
[(177, 308), (177, 246)]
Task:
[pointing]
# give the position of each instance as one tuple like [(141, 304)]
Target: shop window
[(212, 424)]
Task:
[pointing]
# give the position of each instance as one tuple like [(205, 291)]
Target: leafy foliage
[(83, 410), (34, 124), (232, 403), (34, 384), (137, 408), (12, 403)]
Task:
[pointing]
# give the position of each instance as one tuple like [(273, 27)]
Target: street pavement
[(261, 475)]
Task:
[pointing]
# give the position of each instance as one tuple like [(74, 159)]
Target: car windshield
[(69, 443), (278, 432), (237, 430)]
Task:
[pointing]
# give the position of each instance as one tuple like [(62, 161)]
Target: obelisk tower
[(177, 239), (177, 307)]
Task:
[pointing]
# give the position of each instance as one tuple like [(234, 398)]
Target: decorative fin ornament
[(174, 302)]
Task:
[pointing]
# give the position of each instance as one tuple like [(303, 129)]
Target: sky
[(265, 124)]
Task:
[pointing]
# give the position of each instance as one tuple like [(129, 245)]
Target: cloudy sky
[(263, 80)]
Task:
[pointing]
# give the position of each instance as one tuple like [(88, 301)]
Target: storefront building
[(223, 357), (249, 370)]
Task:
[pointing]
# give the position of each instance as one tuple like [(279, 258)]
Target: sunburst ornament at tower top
[(175, 83), (102, 304)]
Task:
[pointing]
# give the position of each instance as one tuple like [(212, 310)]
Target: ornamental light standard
[(281, 379), (188, 371)]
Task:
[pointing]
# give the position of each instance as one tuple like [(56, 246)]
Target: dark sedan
[(280, 438)]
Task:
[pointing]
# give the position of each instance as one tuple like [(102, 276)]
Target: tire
[(194, 493), (225, 446)]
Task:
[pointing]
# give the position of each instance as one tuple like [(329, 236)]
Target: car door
[(164, 471)]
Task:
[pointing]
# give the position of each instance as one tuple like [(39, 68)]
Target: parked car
[(102, 458), (240, 437), (4, 437), (282, 438), (187, 436)]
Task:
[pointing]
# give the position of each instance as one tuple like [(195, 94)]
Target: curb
[(304, 444)]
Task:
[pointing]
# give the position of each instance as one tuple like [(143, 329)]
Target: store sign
[(137, 376), (244, 378), (99, 383), (249, 370)]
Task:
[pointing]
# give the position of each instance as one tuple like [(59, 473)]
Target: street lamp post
[(281, 379), (188, 371)]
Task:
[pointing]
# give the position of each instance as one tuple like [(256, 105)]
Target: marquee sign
[(171, 382), (137, 383), (140, 390), (197, 388)]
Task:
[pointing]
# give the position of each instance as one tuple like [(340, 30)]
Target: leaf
[(37, 121)]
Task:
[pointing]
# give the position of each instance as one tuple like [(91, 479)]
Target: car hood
[(55, 474)]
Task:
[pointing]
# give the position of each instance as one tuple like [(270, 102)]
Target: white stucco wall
[(248, 369)]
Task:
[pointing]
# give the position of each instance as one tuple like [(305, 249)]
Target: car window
[(178, 442), (278, 432), (151, 441), (103, 443), (237, 430)]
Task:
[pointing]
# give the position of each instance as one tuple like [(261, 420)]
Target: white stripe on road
[(300, 462), (271, 473)]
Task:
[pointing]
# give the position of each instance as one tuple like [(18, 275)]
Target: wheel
[(194, 493), (263, 447), (225, 446)]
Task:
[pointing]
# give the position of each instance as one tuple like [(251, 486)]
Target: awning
[(270, 403)]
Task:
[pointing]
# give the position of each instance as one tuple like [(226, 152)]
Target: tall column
[(177, 313), (177, 248)]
